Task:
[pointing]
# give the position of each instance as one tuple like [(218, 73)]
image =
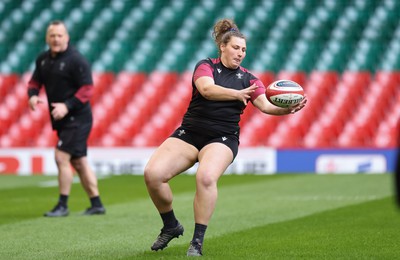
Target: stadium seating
[(346, 55)]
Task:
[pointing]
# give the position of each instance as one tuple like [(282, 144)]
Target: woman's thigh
[(171, 158)]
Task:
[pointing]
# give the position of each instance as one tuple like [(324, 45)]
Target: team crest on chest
[(239, 75), (219, 70), (62, 65), (181, 132)]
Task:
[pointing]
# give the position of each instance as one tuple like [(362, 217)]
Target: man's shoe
[(167, 235), (94, 211), (195, 249), (57, 211)]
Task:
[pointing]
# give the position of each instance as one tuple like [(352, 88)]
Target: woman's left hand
[(298, 106)]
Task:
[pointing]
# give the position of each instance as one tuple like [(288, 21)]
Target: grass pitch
[(292, 216)]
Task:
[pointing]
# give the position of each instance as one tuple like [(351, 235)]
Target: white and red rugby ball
[(284, 93)]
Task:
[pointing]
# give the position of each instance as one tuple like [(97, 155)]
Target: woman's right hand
[(245, 94)]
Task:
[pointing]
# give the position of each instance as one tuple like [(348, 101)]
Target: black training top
[(67, 78), (221, 117)]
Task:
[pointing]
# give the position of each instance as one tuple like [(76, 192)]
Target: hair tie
[(232, 30)]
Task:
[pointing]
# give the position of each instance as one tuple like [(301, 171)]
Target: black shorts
[(203, 138), (73, 139)]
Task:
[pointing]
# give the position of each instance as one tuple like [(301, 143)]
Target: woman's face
[(233, 53)]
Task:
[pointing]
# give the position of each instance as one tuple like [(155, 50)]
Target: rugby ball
[(284, 93)]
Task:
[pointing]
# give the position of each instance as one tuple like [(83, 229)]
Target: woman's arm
[(209, 90)]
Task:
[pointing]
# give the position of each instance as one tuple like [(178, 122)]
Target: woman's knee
[(151, 175), (155, 176), (206, 180)]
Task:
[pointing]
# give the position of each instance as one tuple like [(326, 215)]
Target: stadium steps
[(14, 122), (135, 109), (140, 107), (338, 109), (313, 37), (168, 115), (111, 108), (184, 43), (332, 48), (160, 30), (100, 30), (275, 48), (31, 18), (383, 97)]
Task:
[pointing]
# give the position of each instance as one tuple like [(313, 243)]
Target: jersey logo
[(181, 132), (42, 63), (219, 70), (62, 65), (224, 138), (239, 75)]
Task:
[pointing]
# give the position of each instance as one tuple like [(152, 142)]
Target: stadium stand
[(346, 55)]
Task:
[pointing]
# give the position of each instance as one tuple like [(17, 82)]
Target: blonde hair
[(224, 29)]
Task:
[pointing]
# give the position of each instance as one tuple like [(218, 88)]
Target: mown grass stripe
[(128, 229)]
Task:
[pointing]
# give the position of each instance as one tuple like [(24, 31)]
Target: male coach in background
[(67, 78)]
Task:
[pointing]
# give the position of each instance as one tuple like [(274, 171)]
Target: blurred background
[(345, 54)]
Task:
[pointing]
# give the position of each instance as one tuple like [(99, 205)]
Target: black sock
[(63, 200), (199, 232), (169, 219), (96, 202)]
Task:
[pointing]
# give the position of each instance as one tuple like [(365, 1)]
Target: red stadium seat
[(285, 137), (320, 140), (5, 141), (114, 102), (47, 138), (301, 121), (320, 86), (11, 103), (265, 77), (387, 136), (258, 129), (102, 83), (356, 81), (6, 118), (100, 124), (387, 77), (167, 109), (7, 82), (15, 136), (247, 114), (133, 81), (108, 141), (28, 130), (371, 110)]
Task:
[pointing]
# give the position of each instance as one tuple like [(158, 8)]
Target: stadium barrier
[(259, 160)]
